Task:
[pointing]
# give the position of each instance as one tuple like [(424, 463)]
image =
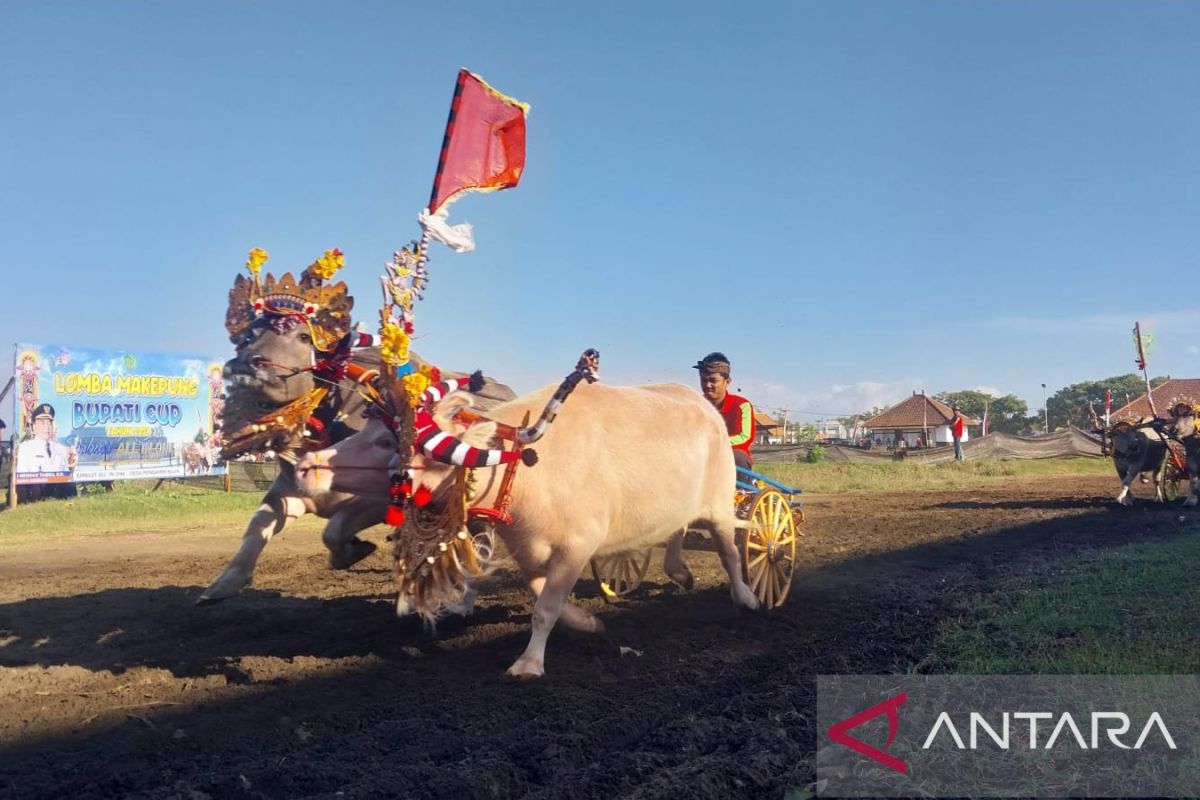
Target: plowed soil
[(113, 684)]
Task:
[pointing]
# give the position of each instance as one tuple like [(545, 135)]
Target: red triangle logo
[(839, 733)]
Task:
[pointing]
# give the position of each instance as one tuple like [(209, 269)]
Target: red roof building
[(917, 419), (766, 429), (1172, 391)]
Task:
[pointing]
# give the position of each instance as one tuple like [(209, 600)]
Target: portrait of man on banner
[(41, 458)]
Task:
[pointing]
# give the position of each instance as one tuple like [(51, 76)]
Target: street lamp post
[(1045, 408)]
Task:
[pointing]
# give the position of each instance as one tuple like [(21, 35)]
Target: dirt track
[(113, 685)]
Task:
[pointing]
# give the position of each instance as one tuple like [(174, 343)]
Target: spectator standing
[(956, 431)]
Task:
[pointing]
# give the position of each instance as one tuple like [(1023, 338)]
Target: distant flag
[(483, 150), (1142, 343), (985, 418)]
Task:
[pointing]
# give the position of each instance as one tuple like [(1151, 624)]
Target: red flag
[(484, 145)]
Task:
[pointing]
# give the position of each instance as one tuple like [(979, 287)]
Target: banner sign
[(84, 414)]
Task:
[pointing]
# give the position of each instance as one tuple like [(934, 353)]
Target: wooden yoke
[(360, 374), (498, 513), (506, 432)]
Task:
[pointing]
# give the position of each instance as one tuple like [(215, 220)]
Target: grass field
[(1126, 611), (891, 476), (133, 505)]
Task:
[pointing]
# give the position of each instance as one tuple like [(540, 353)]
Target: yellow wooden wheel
[(769, 548), (620, 573)]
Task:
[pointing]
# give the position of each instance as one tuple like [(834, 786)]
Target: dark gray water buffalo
[(1138, 448), (1183, 428), (272, 368)]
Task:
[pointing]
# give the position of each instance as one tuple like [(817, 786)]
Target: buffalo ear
[(479, 435), (451, 404)]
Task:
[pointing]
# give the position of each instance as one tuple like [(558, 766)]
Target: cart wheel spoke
[(757, 577), (620, 573), (769, 588)]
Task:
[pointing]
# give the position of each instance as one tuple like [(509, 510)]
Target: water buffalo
[(623, 468), (1136, 449), (1183, 428), (270, 370)]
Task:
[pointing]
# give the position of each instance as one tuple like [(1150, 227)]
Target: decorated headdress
[(324, 307), (1185, 408)]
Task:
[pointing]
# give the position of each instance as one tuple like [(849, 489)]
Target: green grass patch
[(132, 505), (1126, 611), (903, 476)]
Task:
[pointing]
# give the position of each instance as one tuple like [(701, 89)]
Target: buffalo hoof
[(683, 579), (527, 668), (349, 555), (227, 585), (742, 596)]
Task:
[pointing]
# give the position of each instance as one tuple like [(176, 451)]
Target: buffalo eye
[(385, 442), (304, 337)]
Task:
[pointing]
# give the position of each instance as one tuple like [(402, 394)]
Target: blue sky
[(852, 199)]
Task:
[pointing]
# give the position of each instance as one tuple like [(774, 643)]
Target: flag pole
[(437, 176)]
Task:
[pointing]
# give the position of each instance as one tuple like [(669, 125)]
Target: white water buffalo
[(1136, 449), (1183, 428), (623, 468)]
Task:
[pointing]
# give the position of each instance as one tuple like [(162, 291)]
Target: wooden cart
[(769, 522)]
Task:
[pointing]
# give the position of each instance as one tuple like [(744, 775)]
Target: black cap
[(44, 410), (713, 362)]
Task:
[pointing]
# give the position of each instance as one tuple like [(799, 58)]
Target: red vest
[(739, 421)]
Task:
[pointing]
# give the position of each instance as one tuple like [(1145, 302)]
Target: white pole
[(1046, 409)]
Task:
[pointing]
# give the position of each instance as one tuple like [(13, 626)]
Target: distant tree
[(1069, 405), (1006, 414)]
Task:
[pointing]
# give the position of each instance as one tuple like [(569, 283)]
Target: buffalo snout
[(314, 473)]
